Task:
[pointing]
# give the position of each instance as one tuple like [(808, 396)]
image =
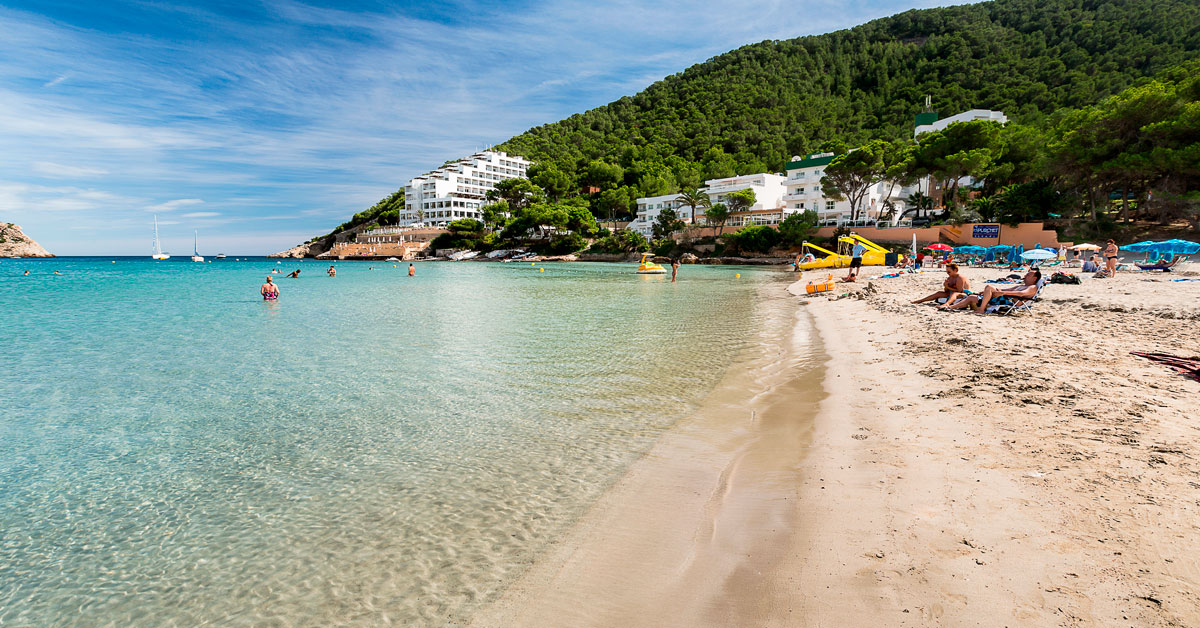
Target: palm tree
[(917, 202), (717, 215), (694, 198)]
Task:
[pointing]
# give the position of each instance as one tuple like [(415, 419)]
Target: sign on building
[(985, 231)]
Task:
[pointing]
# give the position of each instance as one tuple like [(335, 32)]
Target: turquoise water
[(372, 449)]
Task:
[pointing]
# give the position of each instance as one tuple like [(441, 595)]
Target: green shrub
[(755, 239)]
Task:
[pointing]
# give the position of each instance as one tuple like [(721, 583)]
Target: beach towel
[(1186, 279), (1187, 366)]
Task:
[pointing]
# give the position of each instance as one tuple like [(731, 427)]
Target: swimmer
[(269, 290), (332, 271), (294, 274), (412, 270), (57, 273), (26, 273)]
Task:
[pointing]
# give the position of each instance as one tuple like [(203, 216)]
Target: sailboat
[(196, 248), (158, 253)]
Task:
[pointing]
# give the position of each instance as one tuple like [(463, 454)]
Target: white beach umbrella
[(1085, 247), (1039, 254)]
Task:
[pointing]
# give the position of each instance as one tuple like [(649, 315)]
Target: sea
[(371, 449)]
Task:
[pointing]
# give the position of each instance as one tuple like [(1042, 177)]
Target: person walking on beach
[(412, 270), (674, 269), (856, 258), (332, 271), (269, 290), (1110, 258)]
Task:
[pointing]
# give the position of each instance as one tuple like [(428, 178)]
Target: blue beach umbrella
[(1176, 247), (1140, 247)]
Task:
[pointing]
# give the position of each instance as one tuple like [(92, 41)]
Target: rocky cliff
[(14, 243), (308, 249)]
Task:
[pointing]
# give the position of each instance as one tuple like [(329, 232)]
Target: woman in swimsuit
[(1110, 258), (269, 291)]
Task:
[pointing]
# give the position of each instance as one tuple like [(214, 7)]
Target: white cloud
[(61, 78), (200, 215), (170, 206), (52, 169)]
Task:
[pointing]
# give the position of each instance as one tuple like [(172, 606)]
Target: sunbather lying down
[(992, 295), (954, 287)]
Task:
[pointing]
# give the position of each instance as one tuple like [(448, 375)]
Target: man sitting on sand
[(992, 295), (955, 287)]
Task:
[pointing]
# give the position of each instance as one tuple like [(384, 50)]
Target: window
[(828, 206)]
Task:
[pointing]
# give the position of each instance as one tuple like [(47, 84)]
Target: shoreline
[(957, 470), (681, 538)]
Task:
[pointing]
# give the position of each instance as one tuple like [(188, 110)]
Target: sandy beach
[(910, 467)]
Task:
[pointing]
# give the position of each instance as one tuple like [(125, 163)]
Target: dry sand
[(959, 470)]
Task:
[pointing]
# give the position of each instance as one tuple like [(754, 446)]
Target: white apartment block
[(804, 192), (928, 121), (649, 207), (768, 207), (458, 189)]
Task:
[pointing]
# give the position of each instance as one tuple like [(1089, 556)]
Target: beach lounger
[(1019, 305), (1165, 264)]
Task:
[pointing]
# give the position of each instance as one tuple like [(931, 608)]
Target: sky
[(262, 124)]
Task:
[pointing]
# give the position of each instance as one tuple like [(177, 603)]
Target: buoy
[(532, 264), (738, 275), (541, 270), (114, 261)]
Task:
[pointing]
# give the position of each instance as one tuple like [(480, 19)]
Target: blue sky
[(262, 124)]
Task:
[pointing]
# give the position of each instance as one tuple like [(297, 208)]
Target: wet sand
[(686, 537), (956, 470)]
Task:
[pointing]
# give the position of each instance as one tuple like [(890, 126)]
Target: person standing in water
[(269, 290), (332, 271), (674, 269), (412, 270)]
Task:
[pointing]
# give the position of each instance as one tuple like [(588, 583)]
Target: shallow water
[(371, 449)]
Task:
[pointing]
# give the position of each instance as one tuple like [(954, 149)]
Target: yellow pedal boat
[(650, 268)]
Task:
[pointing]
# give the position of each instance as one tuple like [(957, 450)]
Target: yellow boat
[(874, 255), (650, 268)]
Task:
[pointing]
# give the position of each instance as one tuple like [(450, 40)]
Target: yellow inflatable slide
[(807, 260)]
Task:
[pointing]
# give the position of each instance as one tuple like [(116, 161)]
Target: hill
[(749, 110), (14, 243)]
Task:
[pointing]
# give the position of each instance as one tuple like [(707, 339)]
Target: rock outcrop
[(308, 249), (14, 243)]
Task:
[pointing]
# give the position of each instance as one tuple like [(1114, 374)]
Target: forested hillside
[(751, 109)]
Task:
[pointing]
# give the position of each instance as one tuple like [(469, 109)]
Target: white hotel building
[(458, 189), (768, 207), (804, 193)]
